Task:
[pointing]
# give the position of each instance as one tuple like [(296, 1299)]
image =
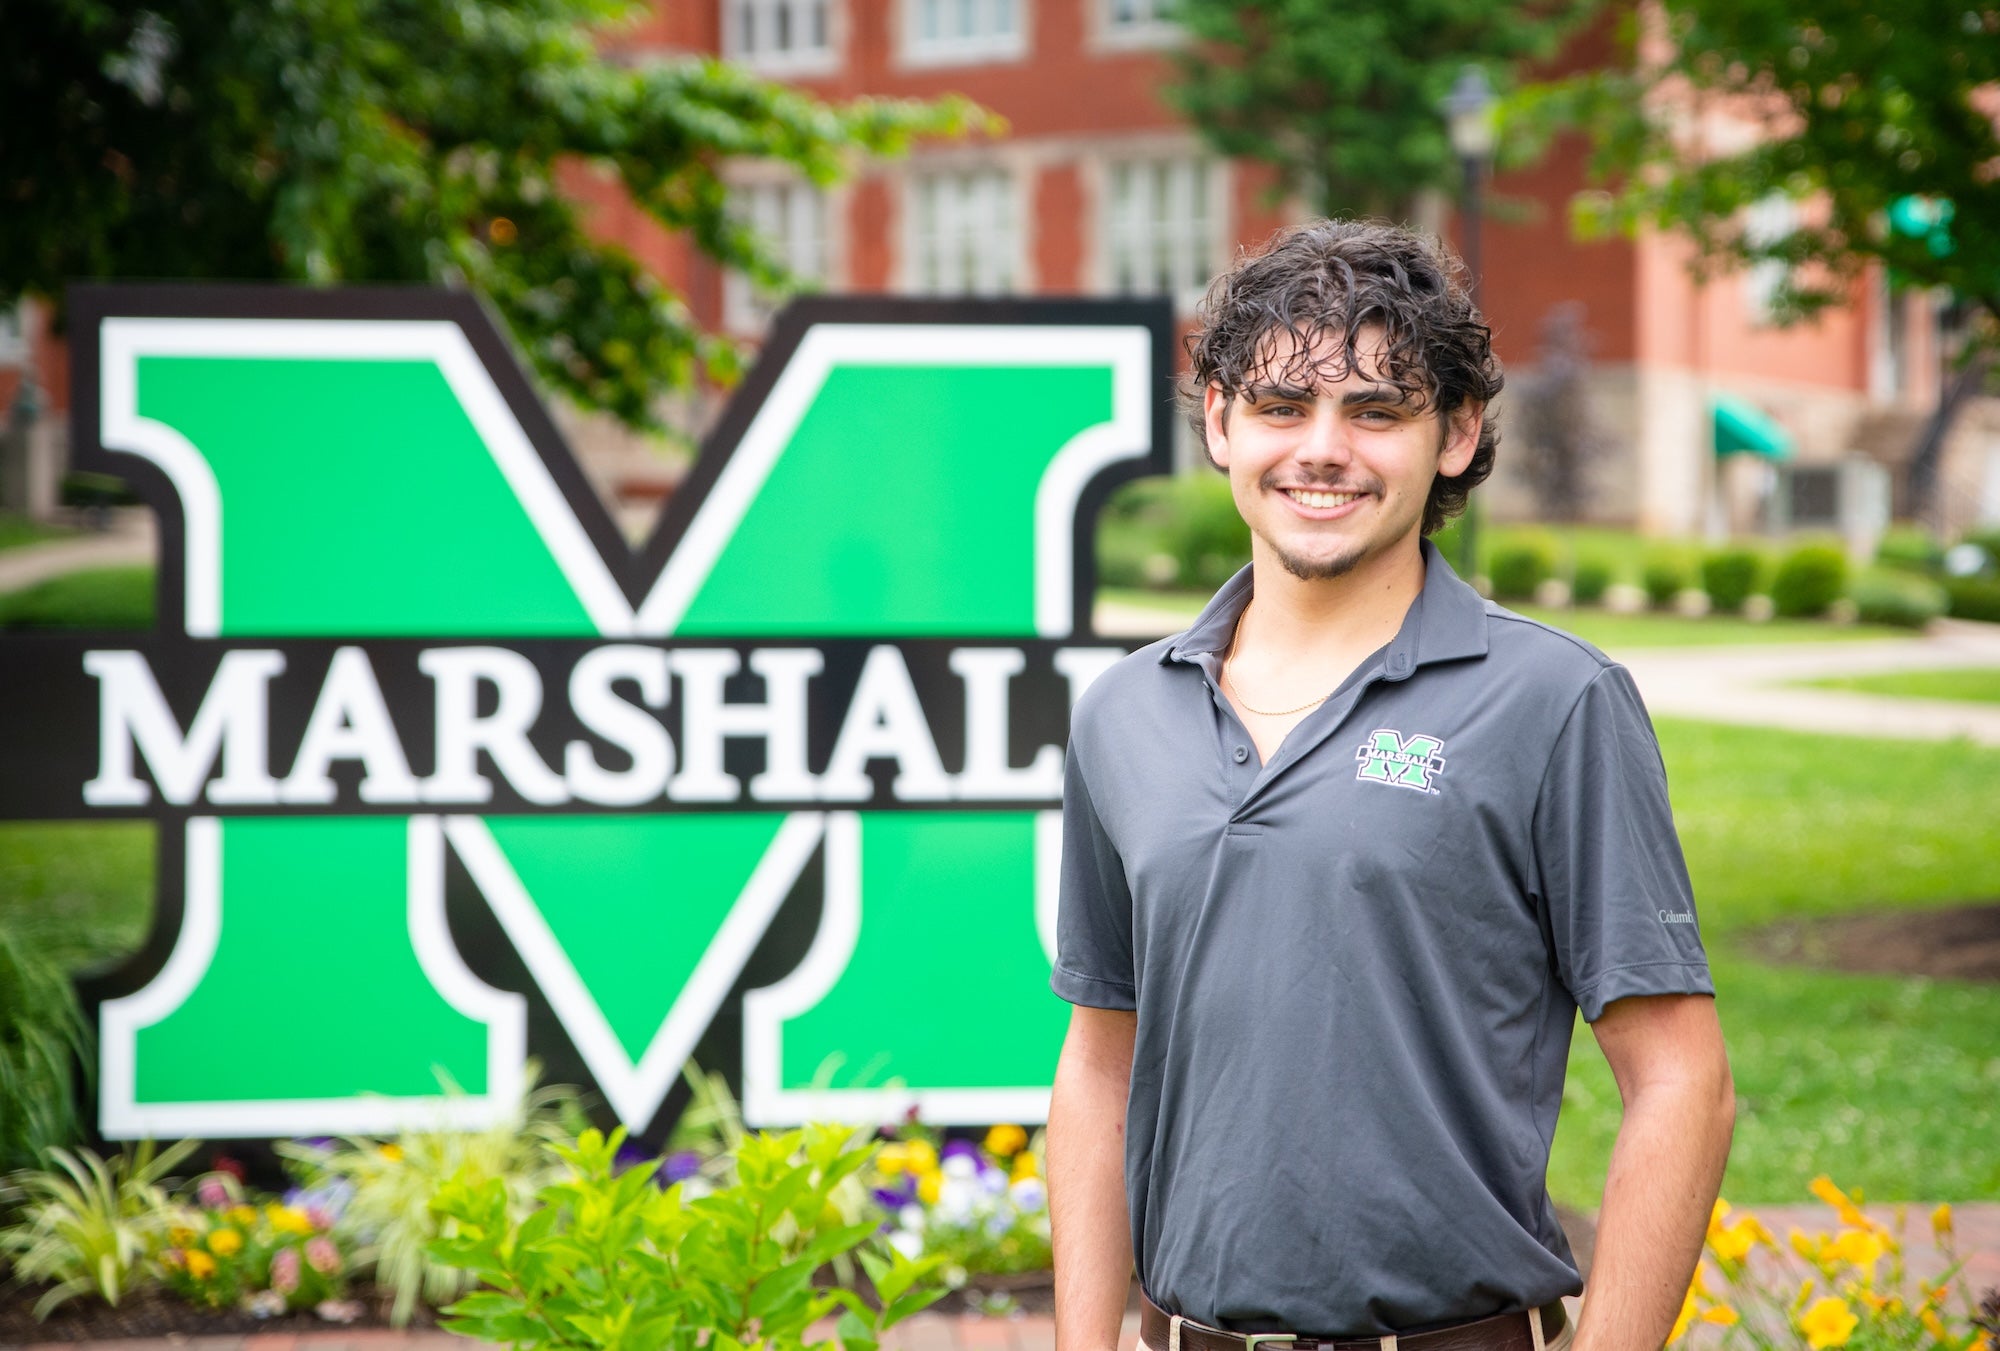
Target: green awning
[(1741, 426)]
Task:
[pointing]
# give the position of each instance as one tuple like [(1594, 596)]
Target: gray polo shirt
[(1357, 967)]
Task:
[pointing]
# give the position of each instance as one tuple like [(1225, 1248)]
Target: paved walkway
[(130, 542), (1757, 685)]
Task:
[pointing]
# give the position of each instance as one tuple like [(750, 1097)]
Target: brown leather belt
[(1502, 1332)]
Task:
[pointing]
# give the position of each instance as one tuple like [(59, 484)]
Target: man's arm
[(1086, 1149), (1680, 1106)]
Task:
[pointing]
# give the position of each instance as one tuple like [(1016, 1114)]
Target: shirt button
[(1241, 753)]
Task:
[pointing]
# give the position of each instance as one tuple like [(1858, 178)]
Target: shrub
[(1520, 564), (1592, 578), (1888, 596), (1909, 548), (87, 1223), (1180, 531), (606, 1258), (394, 1182), (1666, 574), (42, 1034), (1973, 598), (982, 1207), (1730, 577), (97, 598), (1810, 579)]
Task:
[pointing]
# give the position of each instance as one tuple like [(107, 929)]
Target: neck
[(1361, 608)]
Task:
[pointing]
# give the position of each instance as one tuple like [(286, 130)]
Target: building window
[(779, 35), (1768, 220), (1162, 229), (1136, 22), (940, 32), (791, 218), (964, 233)]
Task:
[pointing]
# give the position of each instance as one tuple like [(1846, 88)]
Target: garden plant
[(89, 1225)]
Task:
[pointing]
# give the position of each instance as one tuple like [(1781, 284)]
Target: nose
[(1327, 437)]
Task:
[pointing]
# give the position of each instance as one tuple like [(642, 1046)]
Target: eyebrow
[(1378, 393)]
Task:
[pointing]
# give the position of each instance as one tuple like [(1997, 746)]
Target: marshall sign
[(444, 774)]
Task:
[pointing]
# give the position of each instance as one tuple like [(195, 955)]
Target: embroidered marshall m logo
[(1386, 757)]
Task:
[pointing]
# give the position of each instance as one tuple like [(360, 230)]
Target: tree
[(1882, 122), (1344, 99), (405, 141), (1561, 440)]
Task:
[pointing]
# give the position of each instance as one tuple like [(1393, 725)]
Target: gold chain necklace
[(1230, 686)]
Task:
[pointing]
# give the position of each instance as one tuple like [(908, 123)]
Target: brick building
[(1099, 188)]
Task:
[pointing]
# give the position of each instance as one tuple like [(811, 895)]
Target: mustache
[(1272, 482)]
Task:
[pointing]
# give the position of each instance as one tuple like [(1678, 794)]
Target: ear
[(1461, 440), (1215, 418)]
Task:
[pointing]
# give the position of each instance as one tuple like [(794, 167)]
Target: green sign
[(447, 775)]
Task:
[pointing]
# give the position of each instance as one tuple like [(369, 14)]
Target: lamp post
[(1468, 111)]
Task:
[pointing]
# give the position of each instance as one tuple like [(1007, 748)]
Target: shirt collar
[(1446, 622)]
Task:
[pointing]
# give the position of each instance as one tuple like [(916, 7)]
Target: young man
[(1342, 862)]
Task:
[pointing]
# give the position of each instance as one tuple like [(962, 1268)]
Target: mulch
[(155, 1313), (1960, 943)]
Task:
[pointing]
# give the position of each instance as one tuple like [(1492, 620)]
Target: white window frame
[(798, 60), (744, 308), (914, 49), (1209, 254), (1146, 34), (14, 334), (1014, 251)]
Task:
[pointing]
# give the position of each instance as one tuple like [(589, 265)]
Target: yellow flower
[(181, 1236), (1822, 1187), (1721, 1315), (392, 1152), (1934, 1325), (225, 1243), (200, 1265), (1876, 1303), (1026, 1165), (1734, 1242), (1858, 1247), (1685, 1318), (288, 1219), (921, 1158), (1715, 1214), (929, 1185), (241, 1216), (1829, 1322), (1805, 1293), (893, 1159), (1941, 1220), (1004, 1142)]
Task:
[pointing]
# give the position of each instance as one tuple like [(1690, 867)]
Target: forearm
[(1666, 1168), (1087, 1205)]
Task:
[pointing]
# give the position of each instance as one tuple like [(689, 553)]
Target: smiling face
[(1332, 474)]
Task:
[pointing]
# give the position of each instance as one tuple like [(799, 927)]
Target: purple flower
[(894, 1198), (212, 1193), (679, 1166), (629, 1155), (955, 1149)]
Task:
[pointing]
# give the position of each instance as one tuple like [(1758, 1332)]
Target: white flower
[(958, 1168), (1029, 1194), (911, 1217), (907, 1243)]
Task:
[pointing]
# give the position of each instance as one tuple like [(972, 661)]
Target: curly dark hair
[(1328, 280)]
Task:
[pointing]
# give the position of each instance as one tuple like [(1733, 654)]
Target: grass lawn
[(16, 530), (96, 598), (1888, 1084), (1974, 684), (1611, 632)]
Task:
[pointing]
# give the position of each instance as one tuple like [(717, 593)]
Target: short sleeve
[(1609, 868), (1094, 906)]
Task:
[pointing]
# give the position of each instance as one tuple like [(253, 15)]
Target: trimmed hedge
[(1894, 596), (1593, 577), (1809, 580), (1520, 565), (1664, 577), (1730, 577), (1973, 598)]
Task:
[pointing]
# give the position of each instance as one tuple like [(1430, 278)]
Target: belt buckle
[(1252, 1340)]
